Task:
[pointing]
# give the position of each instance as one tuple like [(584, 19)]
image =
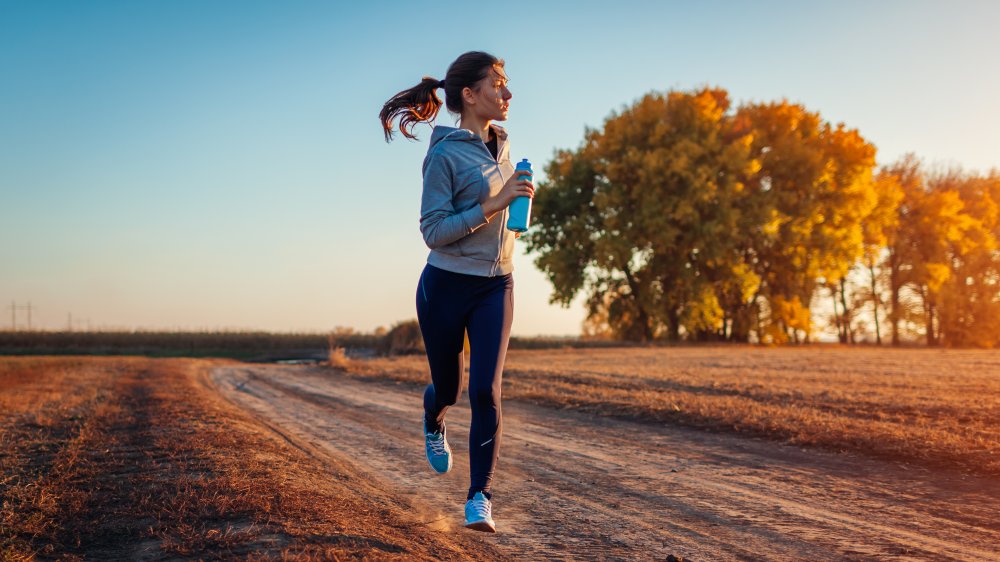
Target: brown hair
[(421, 103)]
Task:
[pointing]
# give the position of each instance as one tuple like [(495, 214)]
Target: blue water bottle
[(520, 208)]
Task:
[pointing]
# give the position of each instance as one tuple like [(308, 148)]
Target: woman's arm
[(439, 222)]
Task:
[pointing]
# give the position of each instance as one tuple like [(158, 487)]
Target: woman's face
[(491, 98)]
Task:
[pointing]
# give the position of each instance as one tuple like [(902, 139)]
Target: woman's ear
[(468, 96)]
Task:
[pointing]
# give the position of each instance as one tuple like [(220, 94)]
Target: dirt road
[(576, 486)]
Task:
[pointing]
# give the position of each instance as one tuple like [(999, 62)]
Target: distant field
[(938, 407), (246, 346), (259, 346)]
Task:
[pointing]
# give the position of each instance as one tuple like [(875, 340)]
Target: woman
[(467, 284)]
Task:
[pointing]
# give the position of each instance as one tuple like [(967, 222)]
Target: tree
[(877, 229), (935, 234), (900, 250), (645, 218), (969, 311), (814, 184), (680, 218)]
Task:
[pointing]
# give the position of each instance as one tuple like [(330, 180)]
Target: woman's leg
[(441, 316), (489, 331)]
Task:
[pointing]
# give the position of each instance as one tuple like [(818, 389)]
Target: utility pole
[(13, 314)]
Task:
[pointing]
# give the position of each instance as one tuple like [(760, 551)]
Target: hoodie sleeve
[(439, 222)]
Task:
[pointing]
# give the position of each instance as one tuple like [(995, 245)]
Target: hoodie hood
[(442, 133)]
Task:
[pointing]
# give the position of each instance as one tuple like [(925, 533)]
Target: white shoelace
[(483, 507), (437, 444)]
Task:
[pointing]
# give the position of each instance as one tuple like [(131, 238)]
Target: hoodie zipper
[(496, 264), (503, 215), (503, 223)]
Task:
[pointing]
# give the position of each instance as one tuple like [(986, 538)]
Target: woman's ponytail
[(419, 103)]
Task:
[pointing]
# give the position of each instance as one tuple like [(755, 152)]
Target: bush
[(338, 358), (403, 339)]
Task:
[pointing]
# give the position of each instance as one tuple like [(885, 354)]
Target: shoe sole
[(483, 526), (445, 471)]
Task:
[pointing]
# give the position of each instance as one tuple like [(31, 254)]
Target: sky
[(219, 165)]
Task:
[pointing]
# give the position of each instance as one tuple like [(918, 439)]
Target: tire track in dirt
[(576, 486)]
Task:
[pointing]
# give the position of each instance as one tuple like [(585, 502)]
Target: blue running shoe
[(438, 451), (479, 514)]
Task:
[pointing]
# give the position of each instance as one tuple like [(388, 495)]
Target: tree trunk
[(643, 315), (836, 315), (894, 287), (928, 317), (848, 333), (932, 324), (756, 313), (878, 333), (674, 329), (741, 323)]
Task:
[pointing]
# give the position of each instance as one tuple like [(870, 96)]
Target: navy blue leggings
[(448, 304)]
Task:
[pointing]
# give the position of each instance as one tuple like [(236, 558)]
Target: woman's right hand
[(515, 187)]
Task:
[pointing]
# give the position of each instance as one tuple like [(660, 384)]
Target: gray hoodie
[(459, 175)]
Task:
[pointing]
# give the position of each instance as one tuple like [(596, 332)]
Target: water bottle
[(520, 208)]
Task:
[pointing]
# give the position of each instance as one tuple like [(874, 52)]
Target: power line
[(14, 307), (78, 323)]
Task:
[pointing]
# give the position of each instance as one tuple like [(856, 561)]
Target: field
[(939, 407), (139, 459), (705, 453), (242, 345), (247, 346)]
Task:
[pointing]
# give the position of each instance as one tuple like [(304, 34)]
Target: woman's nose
[(506, 94)]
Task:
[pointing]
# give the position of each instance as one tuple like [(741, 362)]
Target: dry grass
[(938, 407), (132, 458), (338, 358), (238, 345), (243, 345)]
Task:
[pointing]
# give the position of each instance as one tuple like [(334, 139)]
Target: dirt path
[(577, 486)]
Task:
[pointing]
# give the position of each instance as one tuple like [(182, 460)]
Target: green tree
[(645, 217)]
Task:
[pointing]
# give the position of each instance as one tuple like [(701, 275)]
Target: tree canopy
[(686, 218)]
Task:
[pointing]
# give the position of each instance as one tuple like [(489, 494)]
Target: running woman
[(467, 284)]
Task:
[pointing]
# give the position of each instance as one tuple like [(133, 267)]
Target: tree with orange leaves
[(815, 183), (645, 218)]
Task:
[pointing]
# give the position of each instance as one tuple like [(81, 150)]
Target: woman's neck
[(481, 128)]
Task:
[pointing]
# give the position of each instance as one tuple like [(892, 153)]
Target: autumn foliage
[(684, 218)]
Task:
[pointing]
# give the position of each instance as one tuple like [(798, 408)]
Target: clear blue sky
[(206, 164)]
